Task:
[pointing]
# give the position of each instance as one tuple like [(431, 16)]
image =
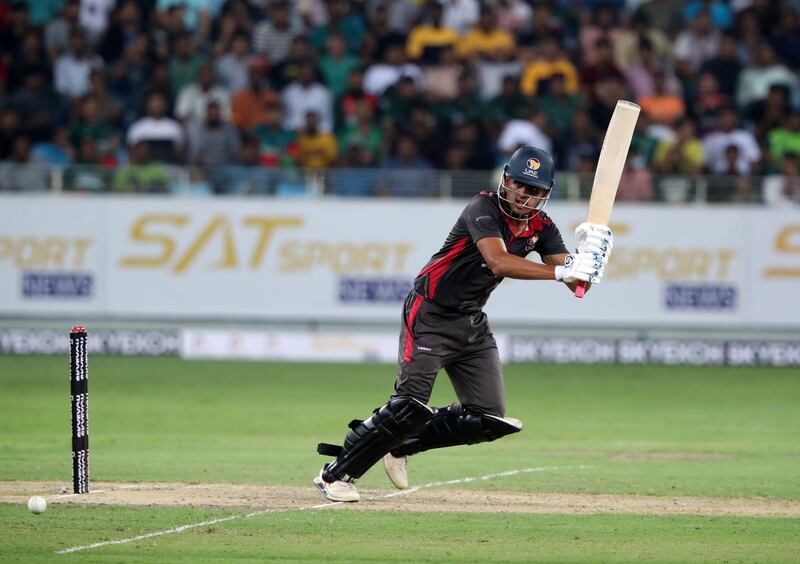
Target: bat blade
[(609, 167)]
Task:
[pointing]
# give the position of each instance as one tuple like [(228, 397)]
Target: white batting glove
[(586, 267), (595, 238)]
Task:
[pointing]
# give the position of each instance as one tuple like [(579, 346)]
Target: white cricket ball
[(37, 504)]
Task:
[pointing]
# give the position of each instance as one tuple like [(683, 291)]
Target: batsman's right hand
[(586, 267)]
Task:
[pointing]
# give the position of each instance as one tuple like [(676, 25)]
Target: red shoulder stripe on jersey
[(534, 225), (438, 268), (409, 348)]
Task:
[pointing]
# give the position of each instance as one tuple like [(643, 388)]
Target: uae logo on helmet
[(533, 167)]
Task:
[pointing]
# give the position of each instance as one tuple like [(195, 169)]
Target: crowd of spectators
[(243, 94)]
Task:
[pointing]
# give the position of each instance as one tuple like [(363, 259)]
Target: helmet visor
[(521, 201)]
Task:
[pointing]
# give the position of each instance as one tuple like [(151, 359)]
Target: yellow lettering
[(671, 264), (139, 234), (788, 239), (229, 254), (55, 251), (266, 226), (726, 256), (401, 251), (81, 244), (29, 253), (6, 248)]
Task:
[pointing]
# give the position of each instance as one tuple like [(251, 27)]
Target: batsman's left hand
[(595, 238)]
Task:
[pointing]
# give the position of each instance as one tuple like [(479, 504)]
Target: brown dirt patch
[(279, 498)]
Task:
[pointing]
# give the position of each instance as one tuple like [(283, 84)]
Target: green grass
[(650, 430)]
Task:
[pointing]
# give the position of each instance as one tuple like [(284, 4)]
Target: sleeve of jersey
[(481, 218), (550, 242)]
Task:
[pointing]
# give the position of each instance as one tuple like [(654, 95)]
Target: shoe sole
[(321, 485)]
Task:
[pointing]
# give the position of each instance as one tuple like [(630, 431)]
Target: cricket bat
[(609, 167)]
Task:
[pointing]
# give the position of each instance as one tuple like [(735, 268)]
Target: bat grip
[(580, 289)]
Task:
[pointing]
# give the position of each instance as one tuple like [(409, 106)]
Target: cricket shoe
[(397, 470), (338, 490)]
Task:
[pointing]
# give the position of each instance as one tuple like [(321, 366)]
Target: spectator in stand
[(10, 129), (479, 152), (383, 74), (509, 104), (546, 23), (184, 62), (486, 40), (696, 45), (346, 107), (603, 68), (725, 65), (662, 106), (528, 131), (316, 149), (141, 174), (126, 25), (193, 100), (108, 106), (719, 11), (162, 134), (39, 107), (514, 16), (421, 124), (396, 103), (364, 134), (21, 173), (640, 76), (716, 146), (92, 125), (248, 176), (213, 145), (756, 79), (466, 107), (342, 20), (287, 71), (770, 113), (273, 36), (249, 106), (627, 54), (71, 74), (86, 174), (277, 145), (30, 58), (603, 25), (336, 65), (461, 15), (785, 38), (644, 142), (56, 31), (441, 80), (134, 78), (427, 40), (381, 35), (706, 102), (748, 35), (785, 140), (683, 155), (405, 173), (94, 17), (15, 29), (559, 107), (232, 66), (636, 182), (730, 181), (607, 92), (197, 15), (56, 152), (553, 61), (784, 188), (307, 94), (355, 176)]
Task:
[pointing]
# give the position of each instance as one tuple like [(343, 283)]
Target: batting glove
[(586, 267), (595, 238)]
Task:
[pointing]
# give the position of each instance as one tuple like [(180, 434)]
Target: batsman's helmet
[(530, 166)]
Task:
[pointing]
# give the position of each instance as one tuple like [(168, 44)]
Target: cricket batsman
[(444, 326)]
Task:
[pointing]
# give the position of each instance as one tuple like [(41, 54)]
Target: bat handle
[(580, 289)]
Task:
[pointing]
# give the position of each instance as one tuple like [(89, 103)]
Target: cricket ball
[(37, 504)]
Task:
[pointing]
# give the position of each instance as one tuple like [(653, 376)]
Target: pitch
[(214, 460)]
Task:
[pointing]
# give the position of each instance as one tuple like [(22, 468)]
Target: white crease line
[(75, 494), (182, 528)]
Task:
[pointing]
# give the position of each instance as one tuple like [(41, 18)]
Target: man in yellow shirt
[(551, 62), (427, 41), (487, 40), (317, 150)]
